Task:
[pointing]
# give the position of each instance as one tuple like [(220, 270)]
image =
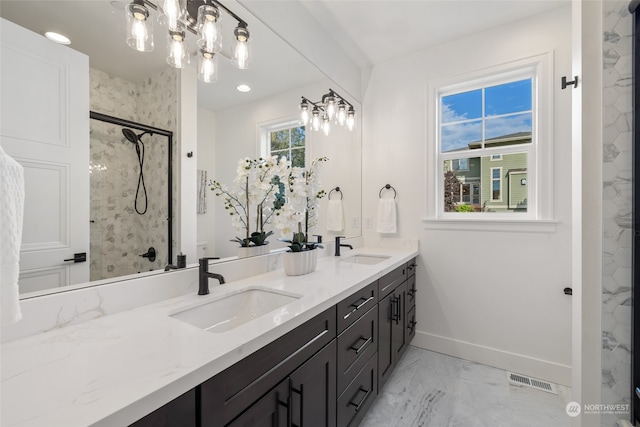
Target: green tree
[(451, 191)]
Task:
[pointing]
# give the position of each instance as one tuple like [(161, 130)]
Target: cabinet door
[(385, 326), (313, 390), (270, 411), (398, 322)]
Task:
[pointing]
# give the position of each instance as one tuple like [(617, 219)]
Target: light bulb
[(304, 112), (326, 127), (241, 55), (210, 39), (176, 55), (341, 116), (315, 119), (351, 119), (207, 67), (172, 12), (139, 27), (330, 103)]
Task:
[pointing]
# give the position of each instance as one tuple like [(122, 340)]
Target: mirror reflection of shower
[(131, 197), (136, 140)]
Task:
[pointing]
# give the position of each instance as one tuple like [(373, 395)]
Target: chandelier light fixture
[(332, 107), (199, 17)]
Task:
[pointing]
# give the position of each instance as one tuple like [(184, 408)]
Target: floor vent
[(518, 379)]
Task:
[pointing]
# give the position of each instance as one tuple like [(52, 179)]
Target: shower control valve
[(151, 254)]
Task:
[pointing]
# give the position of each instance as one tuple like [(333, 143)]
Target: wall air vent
[(523, 380)]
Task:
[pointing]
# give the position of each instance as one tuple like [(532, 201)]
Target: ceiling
[(375, 31), (370, 31), (100, 34)]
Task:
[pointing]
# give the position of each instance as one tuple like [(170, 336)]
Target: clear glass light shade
[(209, 29), (315, 119), (330, 103), (326, 126), (351, 119), (242, 50), (172, 11), (341, 115), (139, 27), (176, 51), (208, 67), (304, 113)]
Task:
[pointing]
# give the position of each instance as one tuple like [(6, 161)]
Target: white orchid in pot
[(298, 217), (257, 190)]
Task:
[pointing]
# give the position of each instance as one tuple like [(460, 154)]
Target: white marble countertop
[(113, 370)]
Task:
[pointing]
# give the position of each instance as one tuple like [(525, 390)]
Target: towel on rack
[(202, 191), (386, 216), (11, 217), (335, 215)]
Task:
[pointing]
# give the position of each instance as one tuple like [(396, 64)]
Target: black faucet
[(171, 267), (204, 276), (338, 245)]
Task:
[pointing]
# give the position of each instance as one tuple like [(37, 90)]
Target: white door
[(44, 125)]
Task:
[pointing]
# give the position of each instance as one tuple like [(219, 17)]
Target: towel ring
[(335, 189), (387, 187)]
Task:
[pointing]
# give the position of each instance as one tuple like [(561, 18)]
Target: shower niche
[(131, 197)]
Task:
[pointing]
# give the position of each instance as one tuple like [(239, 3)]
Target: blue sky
[(507, 110)]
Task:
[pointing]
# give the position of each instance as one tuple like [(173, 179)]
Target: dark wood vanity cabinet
[(325, 373), (305, 398), (232, 392)]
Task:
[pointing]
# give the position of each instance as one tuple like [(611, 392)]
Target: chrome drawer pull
[(364, 344), (358, 405), (357, 306)]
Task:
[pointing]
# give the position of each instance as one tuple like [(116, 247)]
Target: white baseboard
[(518, 363)]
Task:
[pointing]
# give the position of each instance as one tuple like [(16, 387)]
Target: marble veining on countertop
[(115, 369)]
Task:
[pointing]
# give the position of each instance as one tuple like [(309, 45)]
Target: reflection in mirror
[(141, 87)]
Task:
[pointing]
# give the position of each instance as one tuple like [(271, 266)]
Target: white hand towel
[(386, 216), (11, 216), (335, 215)]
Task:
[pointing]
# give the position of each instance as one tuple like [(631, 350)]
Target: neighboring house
[(496, 183)]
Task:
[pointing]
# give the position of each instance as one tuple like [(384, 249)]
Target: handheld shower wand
[(135, 139)]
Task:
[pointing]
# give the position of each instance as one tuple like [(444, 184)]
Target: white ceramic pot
[(299, 263), (248, 251)]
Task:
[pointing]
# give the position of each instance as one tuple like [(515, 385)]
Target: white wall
[(493, 297), (207, 162), (237, 136)]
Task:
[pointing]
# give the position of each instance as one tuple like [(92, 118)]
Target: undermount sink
[(365, 259), (234, 310)]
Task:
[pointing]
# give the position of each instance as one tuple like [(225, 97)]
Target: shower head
[(130, 135)]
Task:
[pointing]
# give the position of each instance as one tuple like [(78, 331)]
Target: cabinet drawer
[(356, 399), (411, 292), (391, 280), (411, 267), (227, 394), (180, 412), (355, 347), (410, 328), (355, 306)]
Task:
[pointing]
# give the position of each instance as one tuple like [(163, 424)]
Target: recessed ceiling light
[(56, 37), (243, 88)]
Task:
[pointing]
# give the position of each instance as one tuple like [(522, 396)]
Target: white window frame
[(265, 128), (539, 215), (459, 168), (495, 157)]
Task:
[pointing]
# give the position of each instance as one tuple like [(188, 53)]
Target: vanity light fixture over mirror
[(199, 17), (332, 107)]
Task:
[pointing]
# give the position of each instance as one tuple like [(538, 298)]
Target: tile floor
[(429, 389)]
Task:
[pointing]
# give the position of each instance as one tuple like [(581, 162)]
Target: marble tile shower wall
[(118, 234), (616, 257)]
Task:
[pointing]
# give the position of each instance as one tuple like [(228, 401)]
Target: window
[(489, 145), (496, 184), (288, 140)]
